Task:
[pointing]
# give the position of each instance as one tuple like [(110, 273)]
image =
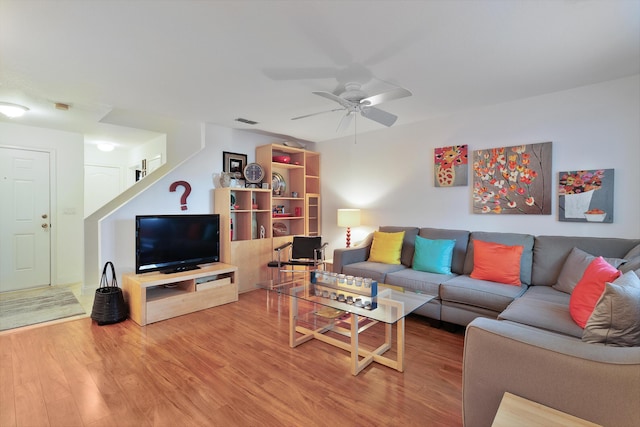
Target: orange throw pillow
[(589, 289), (496, 263)]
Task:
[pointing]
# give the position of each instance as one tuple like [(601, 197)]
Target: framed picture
[(451, 166), (512, 180), (234, 162), (586, 195)]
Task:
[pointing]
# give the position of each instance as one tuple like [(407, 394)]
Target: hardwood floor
[(226, 366)]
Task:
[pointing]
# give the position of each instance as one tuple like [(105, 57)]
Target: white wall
[(389, 173), (126, 160), (117, 230), (67, 193), (183, 139)]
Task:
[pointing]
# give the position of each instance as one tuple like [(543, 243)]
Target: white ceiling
[(214, 61)]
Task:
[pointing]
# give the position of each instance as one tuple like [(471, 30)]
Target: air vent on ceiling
[(247, 121)]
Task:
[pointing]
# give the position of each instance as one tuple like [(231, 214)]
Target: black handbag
[(108, 304)]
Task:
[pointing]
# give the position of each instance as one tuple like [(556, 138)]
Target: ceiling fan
[(354, 100)]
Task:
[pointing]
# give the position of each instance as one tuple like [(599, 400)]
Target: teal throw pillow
[(433, 256)]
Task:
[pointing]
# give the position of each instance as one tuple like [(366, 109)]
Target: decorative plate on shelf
[(278, 184), (279, 229)]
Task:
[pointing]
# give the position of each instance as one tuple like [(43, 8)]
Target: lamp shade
[(348, 217)]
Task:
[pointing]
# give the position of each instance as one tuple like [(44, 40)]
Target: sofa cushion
[(433, 256), (632, 260), (386, 247), (509, 239), (410, 233), (547, 293), (631, 264), (633, 253), (429, 283), (543, 314), (589, 289), (496, 263), (460, 249), (374, 270), (479, 293), (550, 253), (574, 268), (615, 320)]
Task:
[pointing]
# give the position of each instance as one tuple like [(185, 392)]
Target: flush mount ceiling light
[(12, 110), (106, 146)]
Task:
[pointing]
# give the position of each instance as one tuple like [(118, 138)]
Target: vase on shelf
[(575, 205), (254, 226)]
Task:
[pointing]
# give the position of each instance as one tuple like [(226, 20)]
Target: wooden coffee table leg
[(400, 350), (354, 345)]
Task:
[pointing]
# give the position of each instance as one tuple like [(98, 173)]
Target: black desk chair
[(305, 252)]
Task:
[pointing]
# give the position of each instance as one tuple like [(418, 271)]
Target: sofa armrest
[(590, 381), (346, 256)]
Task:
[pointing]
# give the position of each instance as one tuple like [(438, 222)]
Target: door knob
[(45, 225)]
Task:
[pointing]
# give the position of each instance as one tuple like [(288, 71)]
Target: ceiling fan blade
[(300, 73), (378, 115), (396, 93), (335, 98), (345, 122), (315, 114)]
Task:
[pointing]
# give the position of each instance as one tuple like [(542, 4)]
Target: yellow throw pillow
[(386, 247)]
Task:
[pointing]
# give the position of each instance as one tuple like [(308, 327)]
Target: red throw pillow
[(589, 289), (496, 262)]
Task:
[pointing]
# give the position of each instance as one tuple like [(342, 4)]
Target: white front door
[(25, 243)]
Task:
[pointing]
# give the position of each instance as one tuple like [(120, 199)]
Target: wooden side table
[(517, 411)]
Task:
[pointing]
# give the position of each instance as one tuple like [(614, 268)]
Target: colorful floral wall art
[(586, 195), (513, 180), (451, 166)]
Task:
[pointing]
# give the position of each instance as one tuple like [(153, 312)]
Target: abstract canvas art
[(513, 180), (586, 195), (451, 166)]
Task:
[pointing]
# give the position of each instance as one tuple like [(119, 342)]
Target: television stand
[(179, 269), (157, 296)]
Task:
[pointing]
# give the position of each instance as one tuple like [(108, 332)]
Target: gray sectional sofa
[(519, 339)]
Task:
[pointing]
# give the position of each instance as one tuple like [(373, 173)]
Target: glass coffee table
[(313, 316)]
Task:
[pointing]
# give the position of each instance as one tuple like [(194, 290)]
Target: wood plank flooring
[(226, 366)]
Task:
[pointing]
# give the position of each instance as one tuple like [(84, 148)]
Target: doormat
[(34, 306)]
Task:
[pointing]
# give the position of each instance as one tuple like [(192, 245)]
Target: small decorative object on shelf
[(278, 184), (233, 162), (253, 174), (281, 158), (279, 229)]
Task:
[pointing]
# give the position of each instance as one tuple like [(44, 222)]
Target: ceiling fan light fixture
[(12, 110)]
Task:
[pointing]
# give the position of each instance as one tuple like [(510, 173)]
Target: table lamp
[(348, 218)]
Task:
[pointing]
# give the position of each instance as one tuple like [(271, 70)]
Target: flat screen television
[(172, 243)]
